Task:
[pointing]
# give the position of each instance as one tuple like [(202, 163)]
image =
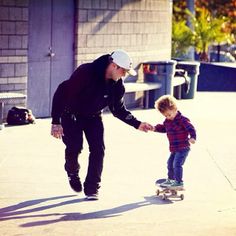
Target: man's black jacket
[(87, 92)]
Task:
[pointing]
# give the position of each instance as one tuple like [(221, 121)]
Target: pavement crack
[(227, 209), (220, 169)]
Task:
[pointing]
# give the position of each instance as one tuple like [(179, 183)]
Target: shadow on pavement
[(14, 212)]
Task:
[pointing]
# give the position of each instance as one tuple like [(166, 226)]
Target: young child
[(180, 133)]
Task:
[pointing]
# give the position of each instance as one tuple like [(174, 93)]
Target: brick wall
[(13, 46), (141, 27)]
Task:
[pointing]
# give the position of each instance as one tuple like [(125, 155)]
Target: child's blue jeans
[(175, 164)]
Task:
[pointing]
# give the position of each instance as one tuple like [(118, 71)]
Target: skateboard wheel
[(164, 197), (158, 192), (182, 197)]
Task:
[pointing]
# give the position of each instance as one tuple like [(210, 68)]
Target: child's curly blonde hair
[(165, 103)]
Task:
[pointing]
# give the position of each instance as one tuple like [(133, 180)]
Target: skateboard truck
[(168, 192)]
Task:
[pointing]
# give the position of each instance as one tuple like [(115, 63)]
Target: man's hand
[(57, 131), (192, 140), (145, 127)]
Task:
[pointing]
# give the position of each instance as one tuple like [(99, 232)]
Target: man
[(76, 109)]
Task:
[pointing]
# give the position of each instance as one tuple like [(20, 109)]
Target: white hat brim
[(132, 72)]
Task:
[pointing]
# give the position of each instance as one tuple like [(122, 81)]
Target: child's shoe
[(167, 183), (177, 185)]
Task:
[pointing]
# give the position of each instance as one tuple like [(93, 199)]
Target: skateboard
[(168, 192)]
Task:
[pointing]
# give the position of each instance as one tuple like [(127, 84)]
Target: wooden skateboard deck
[(168, 192)]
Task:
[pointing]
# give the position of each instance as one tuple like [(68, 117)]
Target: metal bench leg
[(178, 91), (1, 115), (146, 99)]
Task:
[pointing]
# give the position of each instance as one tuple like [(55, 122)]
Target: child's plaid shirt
[(178, 132)]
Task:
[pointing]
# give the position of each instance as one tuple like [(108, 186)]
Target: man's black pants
[(92, 127)]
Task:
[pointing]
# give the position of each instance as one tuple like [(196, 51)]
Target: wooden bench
[(179, 79), (7, 97), (131, 87)]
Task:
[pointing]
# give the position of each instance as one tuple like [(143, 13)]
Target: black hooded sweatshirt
[(87, 93)]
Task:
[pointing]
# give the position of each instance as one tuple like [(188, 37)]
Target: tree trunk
[(204, 57)]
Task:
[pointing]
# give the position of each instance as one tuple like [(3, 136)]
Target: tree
[(208, 30), (182, 38), (217, 8)]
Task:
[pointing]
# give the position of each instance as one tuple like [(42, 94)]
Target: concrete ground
[(35, 198)]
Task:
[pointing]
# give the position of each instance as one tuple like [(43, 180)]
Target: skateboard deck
[(168, 192)]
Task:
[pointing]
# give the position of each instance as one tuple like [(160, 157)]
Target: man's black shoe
[(75, 183)]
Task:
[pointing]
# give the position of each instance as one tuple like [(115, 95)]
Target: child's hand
[(145, 127), (192, 140)]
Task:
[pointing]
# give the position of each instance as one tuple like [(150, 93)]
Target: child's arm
[(160, 128), (190, 128)]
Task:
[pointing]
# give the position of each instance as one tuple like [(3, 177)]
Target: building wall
[(141, 27), (13, 46)]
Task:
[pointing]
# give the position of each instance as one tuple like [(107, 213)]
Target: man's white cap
[(123, 60)]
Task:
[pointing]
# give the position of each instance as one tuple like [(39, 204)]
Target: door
[(51, 40)]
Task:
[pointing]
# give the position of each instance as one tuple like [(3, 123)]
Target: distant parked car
[(232, 50), (224, 57)]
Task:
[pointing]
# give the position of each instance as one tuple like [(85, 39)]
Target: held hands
[(192, 140), (57, 131), (145, 127)]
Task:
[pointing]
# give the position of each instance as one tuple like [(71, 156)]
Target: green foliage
[(182, 38), (208, 30)]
